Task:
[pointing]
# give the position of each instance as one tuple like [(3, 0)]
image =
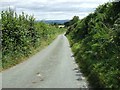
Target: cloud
[(53, 9)]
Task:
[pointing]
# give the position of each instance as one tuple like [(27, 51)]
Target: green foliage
[(21, 34), (71, 22), (95, 41)]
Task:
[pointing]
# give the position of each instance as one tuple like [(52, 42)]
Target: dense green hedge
[(21, 35), (95, 41)]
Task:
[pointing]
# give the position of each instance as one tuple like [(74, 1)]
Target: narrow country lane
[(53, 67)]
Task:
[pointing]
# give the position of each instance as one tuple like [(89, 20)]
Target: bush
[(21, 35), (95, 42)]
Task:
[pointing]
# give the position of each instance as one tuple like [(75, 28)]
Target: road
[(53, 67)]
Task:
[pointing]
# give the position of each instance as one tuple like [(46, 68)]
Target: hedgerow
[(95, 41), (21, 35)]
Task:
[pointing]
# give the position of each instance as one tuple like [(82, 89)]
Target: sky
[(53, 9)]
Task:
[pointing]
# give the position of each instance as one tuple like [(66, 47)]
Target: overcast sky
[(53, 9)]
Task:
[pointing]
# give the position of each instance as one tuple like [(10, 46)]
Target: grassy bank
[(95, 41), (22, 37)]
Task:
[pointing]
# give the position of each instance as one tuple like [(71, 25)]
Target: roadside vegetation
[(95, 41), (23, 36)]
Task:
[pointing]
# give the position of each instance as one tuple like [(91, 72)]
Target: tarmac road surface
[(53, 67)]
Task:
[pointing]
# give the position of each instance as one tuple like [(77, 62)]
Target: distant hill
[(54, 21)]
